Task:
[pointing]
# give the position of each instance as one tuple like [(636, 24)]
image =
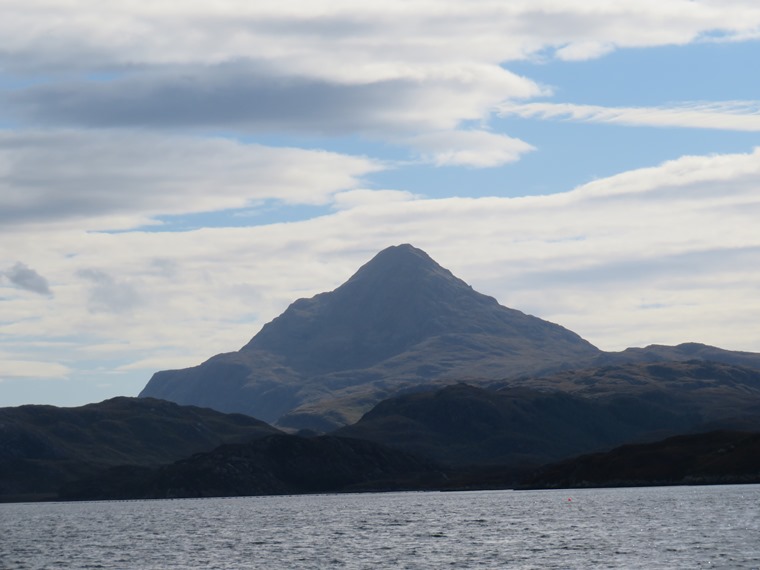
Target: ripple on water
[(653, 528)]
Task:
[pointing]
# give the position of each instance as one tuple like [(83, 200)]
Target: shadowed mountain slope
[(565, 415), (402, 320), (42, 447), (697, 459), (514, 427), (276, 465)]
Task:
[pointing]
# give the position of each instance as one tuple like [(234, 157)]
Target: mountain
[(43, 447), (697, 459), (275, 465), (401, 321), (529, 421), (712, 393), (463, 425), (681, 352)]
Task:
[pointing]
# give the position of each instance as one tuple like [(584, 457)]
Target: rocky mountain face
[(400, 322)]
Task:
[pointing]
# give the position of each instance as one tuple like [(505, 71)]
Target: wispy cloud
[(727, 115), (29, 369), (479, 149)]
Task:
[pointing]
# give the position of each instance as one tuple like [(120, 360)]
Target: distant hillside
[(465, 425), (535, 420), (707, 458), (711, 393), (275, 465), (401, 321), (41, 447), (681, 352)]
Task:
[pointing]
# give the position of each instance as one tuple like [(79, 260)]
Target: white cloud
[(387, 39), (108, 294), (363, 198), (582, 50), (479, 149), (727, 115), (392, 70), (125, 178)]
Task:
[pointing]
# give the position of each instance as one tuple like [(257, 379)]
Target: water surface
[(665, 527)]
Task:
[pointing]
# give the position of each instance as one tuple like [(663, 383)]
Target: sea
[(655, 527)]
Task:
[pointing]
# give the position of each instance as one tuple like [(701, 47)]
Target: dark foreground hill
[(42, 447), (275, 465), (400, 322), (707, 458)]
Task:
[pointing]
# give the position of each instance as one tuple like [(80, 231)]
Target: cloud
[(479, 149), (392, 71), (582, 50), (397, 36), (109, 295), (363, 198), (16, 369), (727, 115), (125, 179), (26, 278), (251, 99)]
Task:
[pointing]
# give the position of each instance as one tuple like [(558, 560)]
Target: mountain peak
[(398, 299), (402, 253), (400, 318), (395, 300), (399, 261), (402, 269)]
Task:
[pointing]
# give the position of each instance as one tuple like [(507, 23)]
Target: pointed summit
[(400, 320), (399, 261), (398, 299)]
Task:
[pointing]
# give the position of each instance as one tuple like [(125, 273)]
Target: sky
[(174, 174)]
